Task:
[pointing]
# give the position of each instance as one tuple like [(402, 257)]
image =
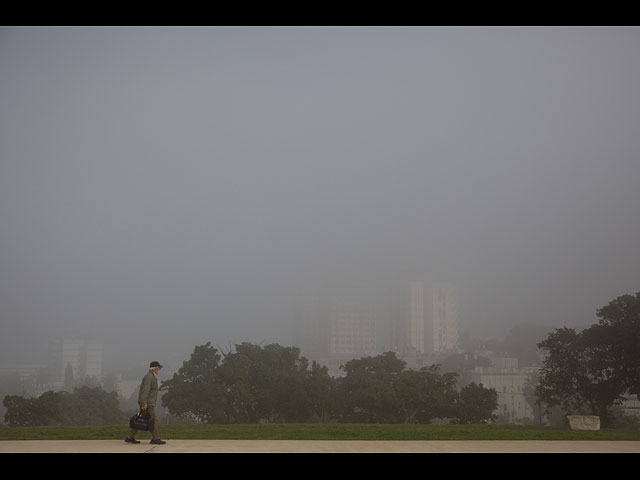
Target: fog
[(164, 187)]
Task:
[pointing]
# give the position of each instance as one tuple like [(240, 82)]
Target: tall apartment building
[(334, 326), (421, 318), (442, 318), (83, 356)]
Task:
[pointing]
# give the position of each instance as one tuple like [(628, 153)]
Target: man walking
[(147, 399)]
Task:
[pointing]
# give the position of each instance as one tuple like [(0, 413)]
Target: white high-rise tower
[(423, 318), (442, 320)]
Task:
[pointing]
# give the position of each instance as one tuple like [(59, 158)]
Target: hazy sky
[(164, 187)]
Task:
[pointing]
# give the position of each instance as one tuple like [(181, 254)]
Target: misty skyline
[(164, 187)]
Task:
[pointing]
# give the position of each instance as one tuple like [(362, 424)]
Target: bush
[(84, 406)]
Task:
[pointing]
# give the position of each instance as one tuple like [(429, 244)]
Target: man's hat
[(154, 364)]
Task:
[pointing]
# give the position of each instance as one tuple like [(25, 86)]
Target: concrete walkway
[(318, 446)]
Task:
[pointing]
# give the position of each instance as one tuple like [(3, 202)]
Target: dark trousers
[(151, 410)]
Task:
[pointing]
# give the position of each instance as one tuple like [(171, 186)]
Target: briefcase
[(141, 421)]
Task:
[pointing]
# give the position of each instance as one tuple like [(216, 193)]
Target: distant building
[(79, 358), (311, 324), (631, 404), (23, 379), (442, 318), (421, 318), (333, 327), (510, 382)]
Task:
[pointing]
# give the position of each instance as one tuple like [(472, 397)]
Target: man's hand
[(144, 407)]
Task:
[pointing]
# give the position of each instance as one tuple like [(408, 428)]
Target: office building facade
[(74, 358)]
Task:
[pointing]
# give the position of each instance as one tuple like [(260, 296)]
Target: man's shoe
[(158, 442), (131, 440)]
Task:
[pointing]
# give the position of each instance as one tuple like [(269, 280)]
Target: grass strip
[(319, 431)]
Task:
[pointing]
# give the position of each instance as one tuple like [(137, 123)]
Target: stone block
[(584, 422)]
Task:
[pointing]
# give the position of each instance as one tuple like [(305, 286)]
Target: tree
[(476, 404), (582, 372), (321, 393), (251, 384), (425, 394), (197, 388), (31, 412), (19, 411), (381, 390), (619, 328), (590, 371), (562, 375), (367, 392), (89, 406), (271, 383), (83, 406)]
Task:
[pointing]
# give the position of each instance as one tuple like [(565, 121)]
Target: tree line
[(83, 406), (275, 384)]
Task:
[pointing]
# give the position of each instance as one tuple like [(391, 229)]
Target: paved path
[(319, 446)]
